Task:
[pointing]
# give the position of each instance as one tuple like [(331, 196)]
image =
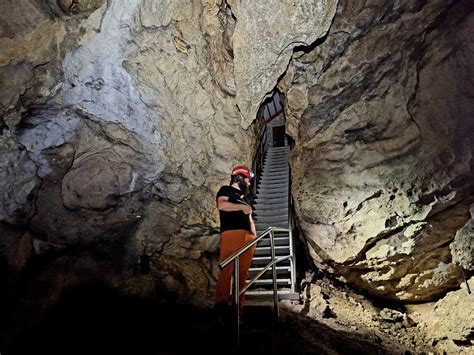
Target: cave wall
[(120, 120), (118, 124), (382, 169)]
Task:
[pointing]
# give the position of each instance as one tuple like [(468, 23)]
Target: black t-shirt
[(237, 219)]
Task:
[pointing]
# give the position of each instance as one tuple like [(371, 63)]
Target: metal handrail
[(257, 162), (245, 247), (256, 165), (265, 269), (235, 258)]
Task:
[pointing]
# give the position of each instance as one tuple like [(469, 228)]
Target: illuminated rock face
[(266, 33), (111, 106), (118, 124), (120, 120), (382, 168)]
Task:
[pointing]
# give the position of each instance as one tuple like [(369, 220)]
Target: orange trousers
[(230, 242)]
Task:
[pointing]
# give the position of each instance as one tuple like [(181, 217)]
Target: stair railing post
[(236, 303), (292, 249), (275, 290)]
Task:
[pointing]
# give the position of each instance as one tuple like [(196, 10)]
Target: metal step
[(278, 155), (274, 186), (279, 190), (277, 209), (264, 260), (263, 226), (274, 224), (271, 210), (262, 216), (275, 215), (256, 295), (271, 187), (265, 211), (283, 178), (281, 250), (274, 169), (272, 198), (274, 157), (278, 205), (269, 206), (274, 163), (280, 177), (283, 157), (280, 241), (261, 211), (272, 201), (273, 192), (269, 282), (281, 270), (276, 234), (270, 152), (277, 177), (277, 149), (270, 195), (272, 219)]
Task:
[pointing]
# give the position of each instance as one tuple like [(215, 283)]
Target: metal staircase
[(271, 209)]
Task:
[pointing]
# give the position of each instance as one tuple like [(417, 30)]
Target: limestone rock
[(318, 303), (121, 119), (462, 248), (18, 181), (376, 162), (96, 180), (391, 315), (192, 243), (453, 319), (265, 35)]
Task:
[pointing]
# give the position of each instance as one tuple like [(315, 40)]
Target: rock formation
[(382, 168), (119, 120)]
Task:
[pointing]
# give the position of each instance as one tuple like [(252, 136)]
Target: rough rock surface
[(265, 36), (120, 120), (452, 321), (382, 168), (462, 248), (354, 315), (111, 106)]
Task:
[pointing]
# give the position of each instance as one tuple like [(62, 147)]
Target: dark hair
[(236, 178)]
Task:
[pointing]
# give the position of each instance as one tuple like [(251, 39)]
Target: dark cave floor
[(96, 320)]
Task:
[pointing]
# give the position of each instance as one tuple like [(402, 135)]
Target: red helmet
[(242, 170)]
